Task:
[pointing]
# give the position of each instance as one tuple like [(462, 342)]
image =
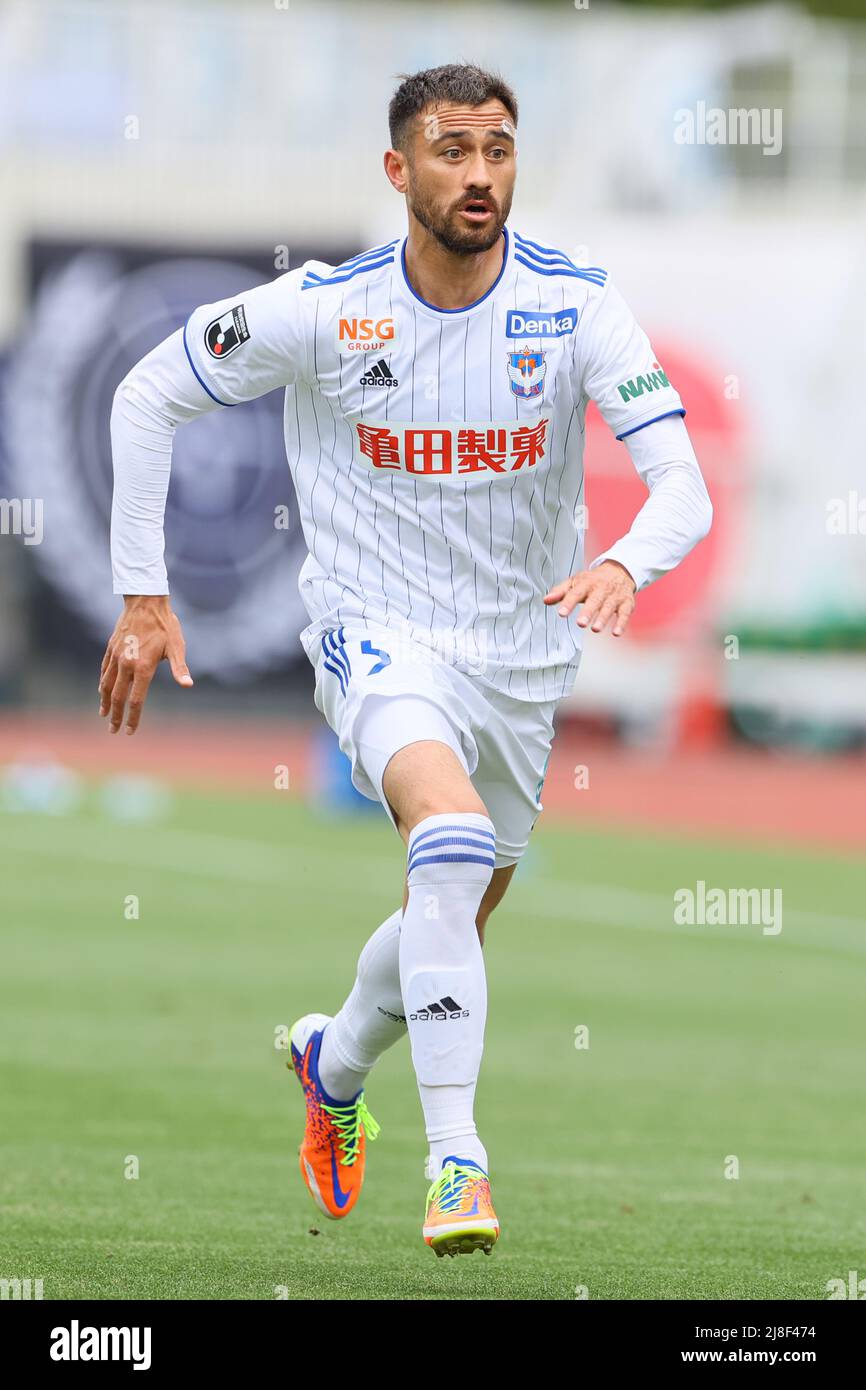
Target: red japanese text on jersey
[(486, 449)]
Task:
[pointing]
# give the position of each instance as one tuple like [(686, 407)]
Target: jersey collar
[(403, 280)]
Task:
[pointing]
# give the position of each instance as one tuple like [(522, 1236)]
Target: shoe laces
[(350, 1121), (450, 1187)]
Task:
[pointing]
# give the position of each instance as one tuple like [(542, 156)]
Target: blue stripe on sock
[(456, 859), (451, 830), (444, 842), (483, 841)]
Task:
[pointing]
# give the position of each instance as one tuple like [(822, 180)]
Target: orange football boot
[(460, 1218), (333, 1148)]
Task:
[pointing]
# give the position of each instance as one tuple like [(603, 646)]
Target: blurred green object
[(828, 635)]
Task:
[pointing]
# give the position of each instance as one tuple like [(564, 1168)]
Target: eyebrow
[(458, 135)]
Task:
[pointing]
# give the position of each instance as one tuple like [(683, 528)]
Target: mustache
[(469, 199)]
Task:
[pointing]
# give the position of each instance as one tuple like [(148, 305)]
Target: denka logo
[(365, 335), (653, 381), (528, 323)]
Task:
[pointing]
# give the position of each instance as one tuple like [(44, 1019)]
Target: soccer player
[(436, 389)]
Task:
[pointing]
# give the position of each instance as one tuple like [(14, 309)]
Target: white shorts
[(380, 691)]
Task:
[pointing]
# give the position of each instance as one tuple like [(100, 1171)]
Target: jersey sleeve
[(229, 352), (678, 512), (618, 369), (250, 343)]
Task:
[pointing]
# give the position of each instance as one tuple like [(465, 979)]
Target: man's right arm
[(229, 352)]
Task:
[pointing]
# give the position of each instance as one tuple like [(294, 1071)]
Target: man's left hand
[(606, 593)]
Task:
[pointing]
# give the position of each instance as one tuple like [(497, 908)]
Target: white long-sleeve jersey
[(437, 455)]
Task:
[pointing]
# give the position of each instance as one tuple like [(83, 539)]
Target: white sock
[(442, 975), (372, 1018)]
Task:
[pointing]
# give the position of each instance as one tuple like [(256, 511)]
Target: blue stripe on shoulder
[(549, 261), (367, 255), (594, 277), (543, 253), (312, 281)]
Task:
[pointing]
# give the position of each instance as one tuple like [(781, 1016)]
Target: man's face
[(459, 170)]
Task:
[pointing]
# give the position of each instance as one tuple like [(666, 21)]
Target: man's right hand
[(147, 633)]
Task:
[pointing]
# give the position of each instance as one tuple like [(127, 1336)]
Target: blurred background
[(156, 157), (170, 903)]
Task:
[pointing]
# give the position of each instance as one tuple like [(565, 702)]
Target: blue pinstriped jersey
[(437, 454)]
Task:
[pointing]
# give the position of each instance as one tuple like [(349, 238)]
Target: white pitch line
[(186, 852), (214, 856), (630, 907)]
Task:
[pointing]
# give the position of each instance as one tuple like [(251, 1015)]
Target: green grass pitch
[(155, 1038)]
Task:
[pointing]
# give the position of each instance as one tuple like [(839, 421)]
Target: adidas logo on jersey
[(379, 375), (441, 1009)]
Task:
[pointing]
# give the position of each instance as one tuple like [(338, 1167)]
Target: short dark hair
[(455, 82)]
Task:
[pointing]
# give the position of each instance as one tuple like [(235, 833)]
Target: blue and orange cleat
[(332, 1152), (459, 1218)]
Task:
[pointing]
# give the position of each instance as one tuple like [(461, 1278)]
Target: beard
[(459, 238)]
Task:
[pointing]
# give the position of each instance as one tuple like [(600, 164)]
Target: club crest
[(526, 372)]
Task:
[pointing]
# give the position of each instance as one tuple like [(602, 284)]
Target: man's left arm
[(618, 369)]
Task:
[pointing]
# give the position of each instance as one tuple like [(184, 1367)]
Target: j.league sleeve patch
[(226, 333)]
